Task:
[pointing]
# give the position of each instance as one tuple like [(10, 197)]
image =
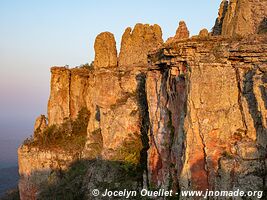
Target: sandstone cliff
[(206, 105), (241, 17), (116, 104), (187, 114)]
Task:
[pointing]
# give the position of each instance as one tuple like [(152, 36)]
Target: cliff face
[(37, 166), (241, 17), (115, 100), (207, 106), (187, 114)]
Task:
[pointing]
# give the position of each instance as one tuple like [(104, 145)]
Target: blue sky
[(36, 35)]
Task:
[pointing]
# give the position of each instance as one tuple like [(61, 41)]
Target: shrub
[(69, 184), (88, 66), (70, 135), (129, 151)]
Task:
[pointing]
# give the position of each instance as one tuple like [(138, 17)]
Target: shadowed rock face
[(136, 43), (240, 17), (262, 28), (105, 50), (217, 29)]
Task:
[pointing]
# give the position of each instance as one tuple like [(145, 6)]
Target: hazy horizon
[(37, 35)]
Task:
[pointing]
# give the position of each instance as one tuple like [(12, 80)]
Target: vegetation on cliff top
[(87, 65), (69, 136)]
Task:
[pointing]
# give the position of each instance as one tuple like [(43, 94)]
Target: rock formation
[(115, 102), (105, 50), (58, 104), (136, 43), (40, 124), (203, 33), (241, 17), (182, 33), (36, 166), (189, 114), (217, 29)]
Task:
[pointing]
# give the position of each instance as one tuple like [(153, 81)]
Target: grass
[(129, 152), (70, 136)]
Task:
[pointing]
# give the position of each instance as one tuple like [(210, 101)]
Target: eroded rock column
[(105, 50), (136, 43)]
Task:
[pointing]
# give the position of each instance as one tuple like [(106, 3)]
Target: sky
[(35, 35)]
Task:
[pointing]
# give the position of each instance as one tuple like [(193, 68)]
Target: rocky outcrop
[(68, 89), (136, 43), (40, 124), (182, 33), (204, 33), (58, 104), (78, 84), (115, 114), (241, 17), (105, 50)]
